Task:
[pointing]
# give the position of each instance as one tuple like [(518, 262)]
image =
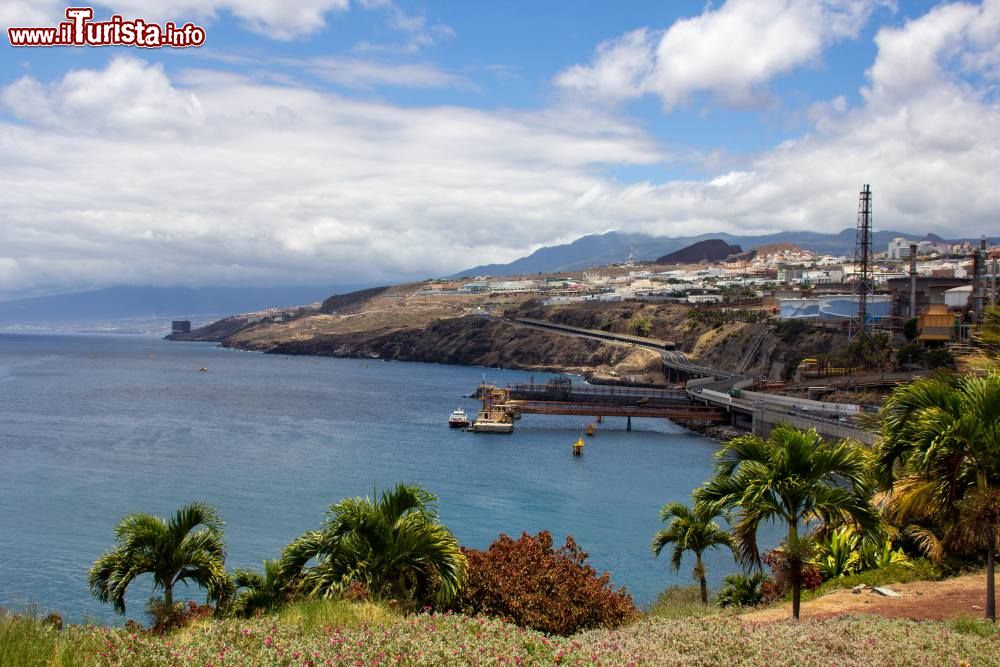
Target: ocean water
[(95, 427)]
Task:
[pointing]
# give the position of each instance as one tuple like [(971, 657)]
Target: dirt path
[(920, 600)]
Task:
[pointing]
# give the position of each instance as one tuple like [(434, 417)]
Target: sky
[(362, 141)]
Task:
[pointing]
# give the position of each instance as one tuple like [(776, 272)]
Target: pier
[(505, 404), (710, 394)]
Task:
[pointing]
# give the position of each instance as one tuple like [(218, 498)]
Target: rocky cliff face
[(473, 340)]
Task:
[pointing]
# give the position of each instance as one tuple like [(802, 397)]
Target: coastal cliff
[(406, 323), (473, 340)]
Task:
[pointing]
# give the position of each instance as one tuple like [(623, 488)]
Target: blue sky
[(381, 139)]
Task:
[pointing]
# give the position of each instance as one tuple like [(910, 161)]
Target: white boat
[(487, 425), (458, 419)]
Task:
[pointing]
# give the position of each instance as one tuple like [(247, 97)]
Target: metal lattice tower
[(980, 282), (864, 279)]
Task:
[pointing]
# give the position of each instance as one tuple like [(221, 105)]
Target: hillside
[(401, 323), (374, 636), (712, 250)]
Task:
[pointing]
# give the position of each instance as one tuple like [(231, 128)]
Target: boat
[(494, 416), (487, 425), (203, 369), (578, 447), (458, 419)]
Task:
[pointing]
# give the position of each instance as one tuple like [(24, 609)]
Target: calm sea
[(95, 427)]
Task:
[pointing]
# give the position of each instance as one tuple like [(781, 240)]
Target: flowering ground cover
[(435, 639)]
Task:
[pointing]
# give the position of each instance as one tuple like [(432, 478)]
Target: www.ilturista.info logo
[(80, 30)]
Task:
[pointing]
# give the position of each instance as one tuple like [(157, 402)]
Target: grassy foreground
[(337, 633)]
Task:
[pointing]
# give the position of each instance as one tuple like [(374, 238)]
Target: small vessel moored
[(458, 419), (487, 425), (494, 417)]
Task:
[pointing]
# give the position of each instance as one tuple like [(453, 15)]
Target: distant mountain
[(612, 247), (587, 251), (124, 303), (712, 250)]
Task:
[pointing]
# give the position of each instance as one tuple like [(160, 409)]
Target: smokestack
[(913, 280), (993, 280), (980, 285)]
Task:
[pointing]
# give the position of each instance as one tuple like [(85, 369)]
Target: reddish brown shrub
[(780, 581), (529, 583), (181, 615)]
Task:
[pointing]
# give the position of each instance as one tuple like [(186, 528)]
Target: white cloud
[(127, 97), (730, 52), (252, 183), (276, 183), (958, 36), (365, 74), (418, 32), (277, 19), (29, 12)]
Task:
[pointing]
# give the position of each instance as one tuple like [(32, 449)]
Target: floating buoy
[(578, 447)]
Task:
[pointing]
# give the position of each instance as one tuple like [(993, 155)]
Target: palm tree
[(794, 477), (939, 459), (262, 591), (173, 551), (394, 546), (690, 530)]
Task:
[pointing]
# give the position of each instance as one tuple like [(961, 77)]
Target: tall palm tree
[(187, 547), (939, 459), (394, 546), (794, 477), (690, 530)]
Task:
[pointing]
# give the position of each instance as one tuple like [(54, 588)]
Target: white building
[(704, 298), (899, 248), (823, 276)]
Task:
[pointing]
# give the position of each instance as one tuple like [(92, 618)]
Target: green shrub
[(842, 554), (789, 330), (678, 602), (939, 358), (911, 353), (838, 555), (981, 627), (742, 590), (533, 585), (642, 325), (28, 640), (919, 569)]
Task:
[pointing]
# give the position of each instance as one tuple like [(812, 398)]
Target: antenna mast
[(864, 279)]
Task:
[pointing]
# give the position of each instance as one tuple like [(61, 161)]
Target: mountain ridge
[(615, 246)]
